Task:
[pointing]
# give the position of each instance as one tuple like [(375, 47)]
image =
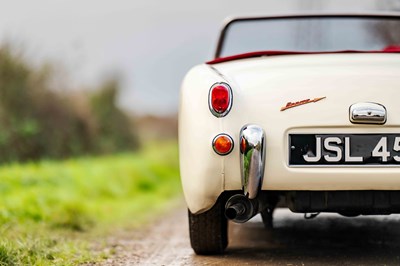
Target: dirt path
[(164, 243), (327, 240)]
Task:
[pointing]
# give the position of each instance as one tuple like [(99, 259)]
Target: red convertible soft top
[(389, 49)]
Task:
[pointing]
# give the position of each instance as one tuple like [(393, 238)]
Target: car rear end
[(319, 131), (319, 91), (261, 89)]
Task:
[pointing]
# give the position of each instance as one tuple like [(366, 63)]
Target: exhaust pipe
[(240, 209)]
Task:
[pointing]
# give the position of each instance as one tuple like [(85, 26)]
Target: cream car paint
[(261, 87)]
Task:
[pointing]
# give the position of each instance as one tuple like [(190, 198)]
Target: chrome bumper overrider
[(241, 208), (252, 159)]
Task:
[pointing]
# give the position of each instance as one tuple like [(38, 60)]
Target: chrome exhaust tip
[(240, 209)]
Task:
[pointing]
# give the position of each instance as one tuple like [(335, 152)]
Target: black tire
[(267, 218), (267, 214), (209, 231)]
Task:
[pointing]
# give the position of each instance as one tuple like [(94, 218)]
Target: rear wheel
[(267, 218), (267, 213), (209, 231)]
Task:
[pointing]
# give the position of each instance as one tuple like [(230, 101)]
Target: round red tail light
[(222, 144), (220, 99)]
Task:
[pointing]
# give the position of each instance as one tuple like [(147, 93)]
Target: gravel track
[(329, 239)]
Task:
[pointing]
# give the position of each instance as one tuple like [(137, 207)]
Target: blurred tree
[(115, 131), (36, 121)]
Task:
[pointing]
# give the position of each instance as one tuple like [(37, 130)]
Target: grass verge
[(50, 210)]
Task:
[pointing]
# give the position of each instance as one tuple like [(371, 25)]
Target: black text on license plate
[(344, 149)]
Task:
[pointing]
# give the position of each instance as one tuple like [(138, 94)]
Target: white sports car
[(300, 109)]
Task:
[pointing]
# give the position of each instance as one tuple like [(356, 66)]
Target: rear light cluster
[(220, 99), (223, 144), (220, 103)]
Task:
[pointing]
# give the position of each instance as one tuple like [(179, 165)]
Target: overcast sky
[(150, 44)]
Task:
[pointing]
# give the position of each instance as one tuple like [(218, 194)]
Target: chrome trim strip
[(252, 159), (367, 113), (230, 99)]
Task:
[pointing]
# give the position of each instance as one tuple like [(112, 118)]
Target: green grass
[(50, 211)]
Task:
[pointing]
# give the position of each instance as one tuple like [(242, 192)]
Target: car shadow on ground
[(329, 239)]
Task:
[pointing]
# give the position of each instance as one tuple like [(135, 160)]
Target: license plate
[(344, 149)]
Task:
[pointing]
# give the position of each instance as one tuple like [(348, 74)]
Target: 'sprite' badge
[(295, 104)]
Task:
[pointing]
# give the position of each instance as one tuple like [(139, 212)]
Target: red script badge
[(291, 105)]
